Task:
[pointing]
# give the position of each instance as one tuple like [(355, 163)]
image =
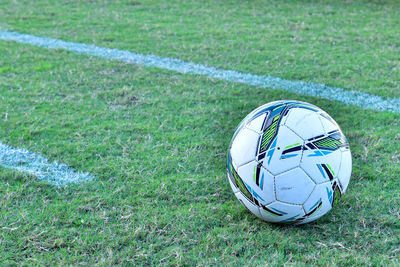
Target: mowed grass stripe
[(349, 97), (54, 173)]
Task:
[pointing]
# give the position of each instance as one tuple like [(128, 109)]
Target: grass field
[(156, 140)]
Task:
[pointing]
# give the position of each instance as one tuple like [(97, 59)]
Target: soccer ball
[(289, 162)]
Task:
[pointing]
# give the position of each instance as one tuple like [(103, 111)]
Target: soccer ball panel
[(293, 186), (327, 123), (257, 123), (321, 167), (249, 205), (258, 181), (345, 169), (244, 146), (317, 204), (281, 212), (304, 122), (284, 153)]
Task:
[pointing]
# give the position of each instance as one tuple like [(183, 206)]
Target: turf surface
[(156, 140)]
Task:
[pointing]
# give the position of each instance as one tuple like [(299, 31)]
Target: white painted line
[(54, 173), (348, 97)]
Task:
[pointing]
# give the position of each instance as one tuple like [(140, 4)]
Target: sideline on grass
[(348, 97), (54, 173)]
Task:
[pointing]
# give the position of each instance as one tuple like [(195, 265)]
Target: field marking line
[(60, 174), (53, 172), (349, 97)]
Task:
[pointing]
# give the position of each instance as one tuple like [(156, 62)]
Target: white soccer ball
[(289, 162)]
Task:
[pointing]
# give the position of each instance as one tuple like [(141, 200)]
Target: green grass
[(349, 44), (156, 140)]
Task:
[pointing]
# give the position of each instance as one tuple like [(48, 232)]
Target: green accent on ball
[(278, 107), (333, 173), (240, 184), (297, 144), (329, 142), (299, 105), (268, 134), (318, 209), (338, 195), (270, 213)]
